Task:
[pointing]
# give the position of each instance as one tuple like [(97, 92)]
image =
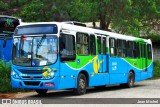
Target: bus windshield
[(35, 50)]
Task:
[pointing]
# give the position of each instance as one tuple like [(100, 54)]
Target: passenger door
[(143, 57), (102, 56)]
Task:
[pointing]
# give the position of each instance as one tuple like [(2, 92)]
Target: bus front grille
[(33, 83), (32, 77), (31, 71)]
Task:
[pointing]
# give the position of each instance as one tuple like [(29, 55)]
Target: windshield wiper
[(39, 44), (41, 41)]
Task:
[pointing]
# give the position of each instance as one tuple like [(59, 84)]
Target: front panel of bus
[(35, 57), (7, 27)]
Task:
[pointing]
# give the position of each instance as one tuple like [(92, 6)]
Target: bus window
[(142, 51), (130, 49), (99, 44), (82, 44), (149, 51), (145, 54), (136, 51), (112, 44), (67, 47), (121, 48), (92, 45), (104, 45)]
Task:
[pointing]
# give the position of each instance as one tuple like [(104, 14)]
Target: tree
[(124, 16), (138, 16), (44, 10)]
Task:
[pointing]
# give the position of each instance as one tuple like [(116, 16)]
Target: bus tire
[(41, 91), (81, 85), (131, 81)]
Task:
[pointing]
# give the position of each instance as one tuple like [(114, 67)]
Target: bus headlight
[(52, 75), (14, 74)]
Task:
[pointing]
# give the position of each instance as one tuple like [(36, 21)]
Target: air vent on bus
[(33, 83), (31, 71)]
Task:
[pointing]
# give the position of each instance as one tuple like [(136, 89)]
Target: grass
[(156, 70), (5, 82)]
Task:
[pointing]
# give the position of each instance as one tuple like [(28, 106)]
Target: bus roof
[(101, 32), (71, 27)]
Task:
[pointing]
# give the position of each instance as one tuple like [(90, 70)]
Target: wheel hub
[(82, 84)]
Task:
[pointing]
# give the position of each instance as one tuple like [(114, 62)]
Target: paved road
[(143, 89)]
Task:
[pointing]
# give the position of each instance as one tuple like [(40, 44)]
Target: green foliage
[(138, 16), (5, 82), (47, 10), (3, 6), (33, 11), (156, 70), (83, 11), (154, 38), (129, 17), (16, 3)]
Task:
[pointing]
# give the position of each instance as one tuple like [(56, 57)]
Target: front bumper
[(35, 84)]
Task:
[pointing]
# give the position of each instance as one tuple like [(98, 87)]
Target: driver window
[(67, 47)]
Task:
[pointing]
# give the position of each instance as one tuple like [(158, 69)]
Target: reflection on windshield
[(35, 51)]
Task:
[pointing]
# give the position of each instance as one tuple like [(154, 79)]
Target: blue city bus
[(7, 27), (56, 56)]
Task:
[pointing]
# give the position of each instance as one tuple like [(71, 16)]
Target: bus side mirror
[(4, 43)]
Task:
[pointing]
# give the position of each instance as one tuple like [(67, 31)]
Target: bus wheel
[(41, 91), (81, 85), (130, 83)]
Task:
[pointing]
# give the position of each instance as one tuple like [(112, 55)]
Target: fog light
[(49, 84)]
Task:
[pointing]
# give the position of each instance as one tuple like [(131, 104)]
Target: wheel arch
[(86, 75), (133, 73)]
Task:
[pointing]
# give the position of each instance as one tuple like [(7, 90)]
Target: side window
[(67, 47), (143, 50), (99, 44), (145, 54), (112, 45), (92, 45), (104, 45), (141, 55), (136, 52), (130, 48), (82, 44), (149, 51), (121, 48)]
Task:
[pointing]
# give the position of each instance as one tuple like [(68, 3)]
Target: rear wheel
[(131, 81), (41, 91), (81, 85)]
